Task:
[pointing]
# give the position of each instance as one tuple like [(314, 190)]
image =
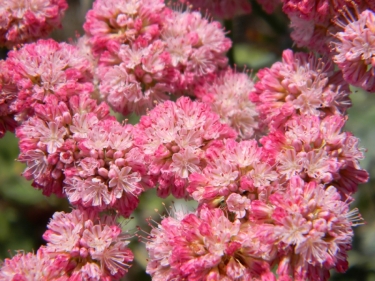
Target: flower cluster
[(25, 21), (147, 51), (356, 51), (312, 23), (174, 138), (42, 69), (80, 246), (228, 95), (76, 150), (301, 84), (268, 162)]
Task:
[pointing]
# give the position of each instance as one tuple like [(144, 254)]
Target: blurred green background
[(259, 40)]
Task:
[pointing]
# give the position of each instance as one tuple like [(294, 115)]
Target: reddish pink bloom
[(142, 77), (174, 137), (47, 68), (96, 248), (317, 150), (25, 21), (49, 139), (228, 95), (235, 173), (207, 246), (123, 21), (356, 51), (197, 47), (40, 266), (314, 229), (300, 84)]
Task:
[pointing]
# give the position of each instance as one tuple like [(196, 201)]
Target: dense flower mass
[(206, 246), (174, 138), (40, 266), (301, 84), (46, 68), (311, 20), (95, 247), (123, 21), (76, 150), (317, 150), (267, 162), (25, 21), (356, 51), (228, 95)]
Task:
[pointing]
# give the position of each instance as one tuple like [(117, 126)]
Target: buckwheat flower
[(47, 68), (235, 174), (355, 50), (109, 169), (315, 228), (300, 84), (96, 247), (49, 139), (174, 137), (8, 94), (142, 77), (196, 45), (205, 245), (25, 21), (228, 95), (123, 21), (224, 9), (40, 266), (317, 151), (311, 21)]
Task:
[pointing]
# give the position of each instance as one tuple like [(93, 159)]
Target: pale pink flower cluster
[(305, 229), (206, 245), (174, 138), (300, 84), (268, 163), (312, 23), (356, 51), (317, 150), (147, 51), (80, 246), (23, 21), (228, 95), (46, 68), (76, 149), (96, 247)]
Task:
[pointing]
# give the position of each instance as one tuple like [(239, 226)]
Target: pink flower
[(228, 95), (300, 84), (123, 22), (46, 68), (202, 246), (25, 21), (174, 137), (236, 172), (40, 266), (46, 143), (319, 241), (355, 51), (317, 150), (99, 244)]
